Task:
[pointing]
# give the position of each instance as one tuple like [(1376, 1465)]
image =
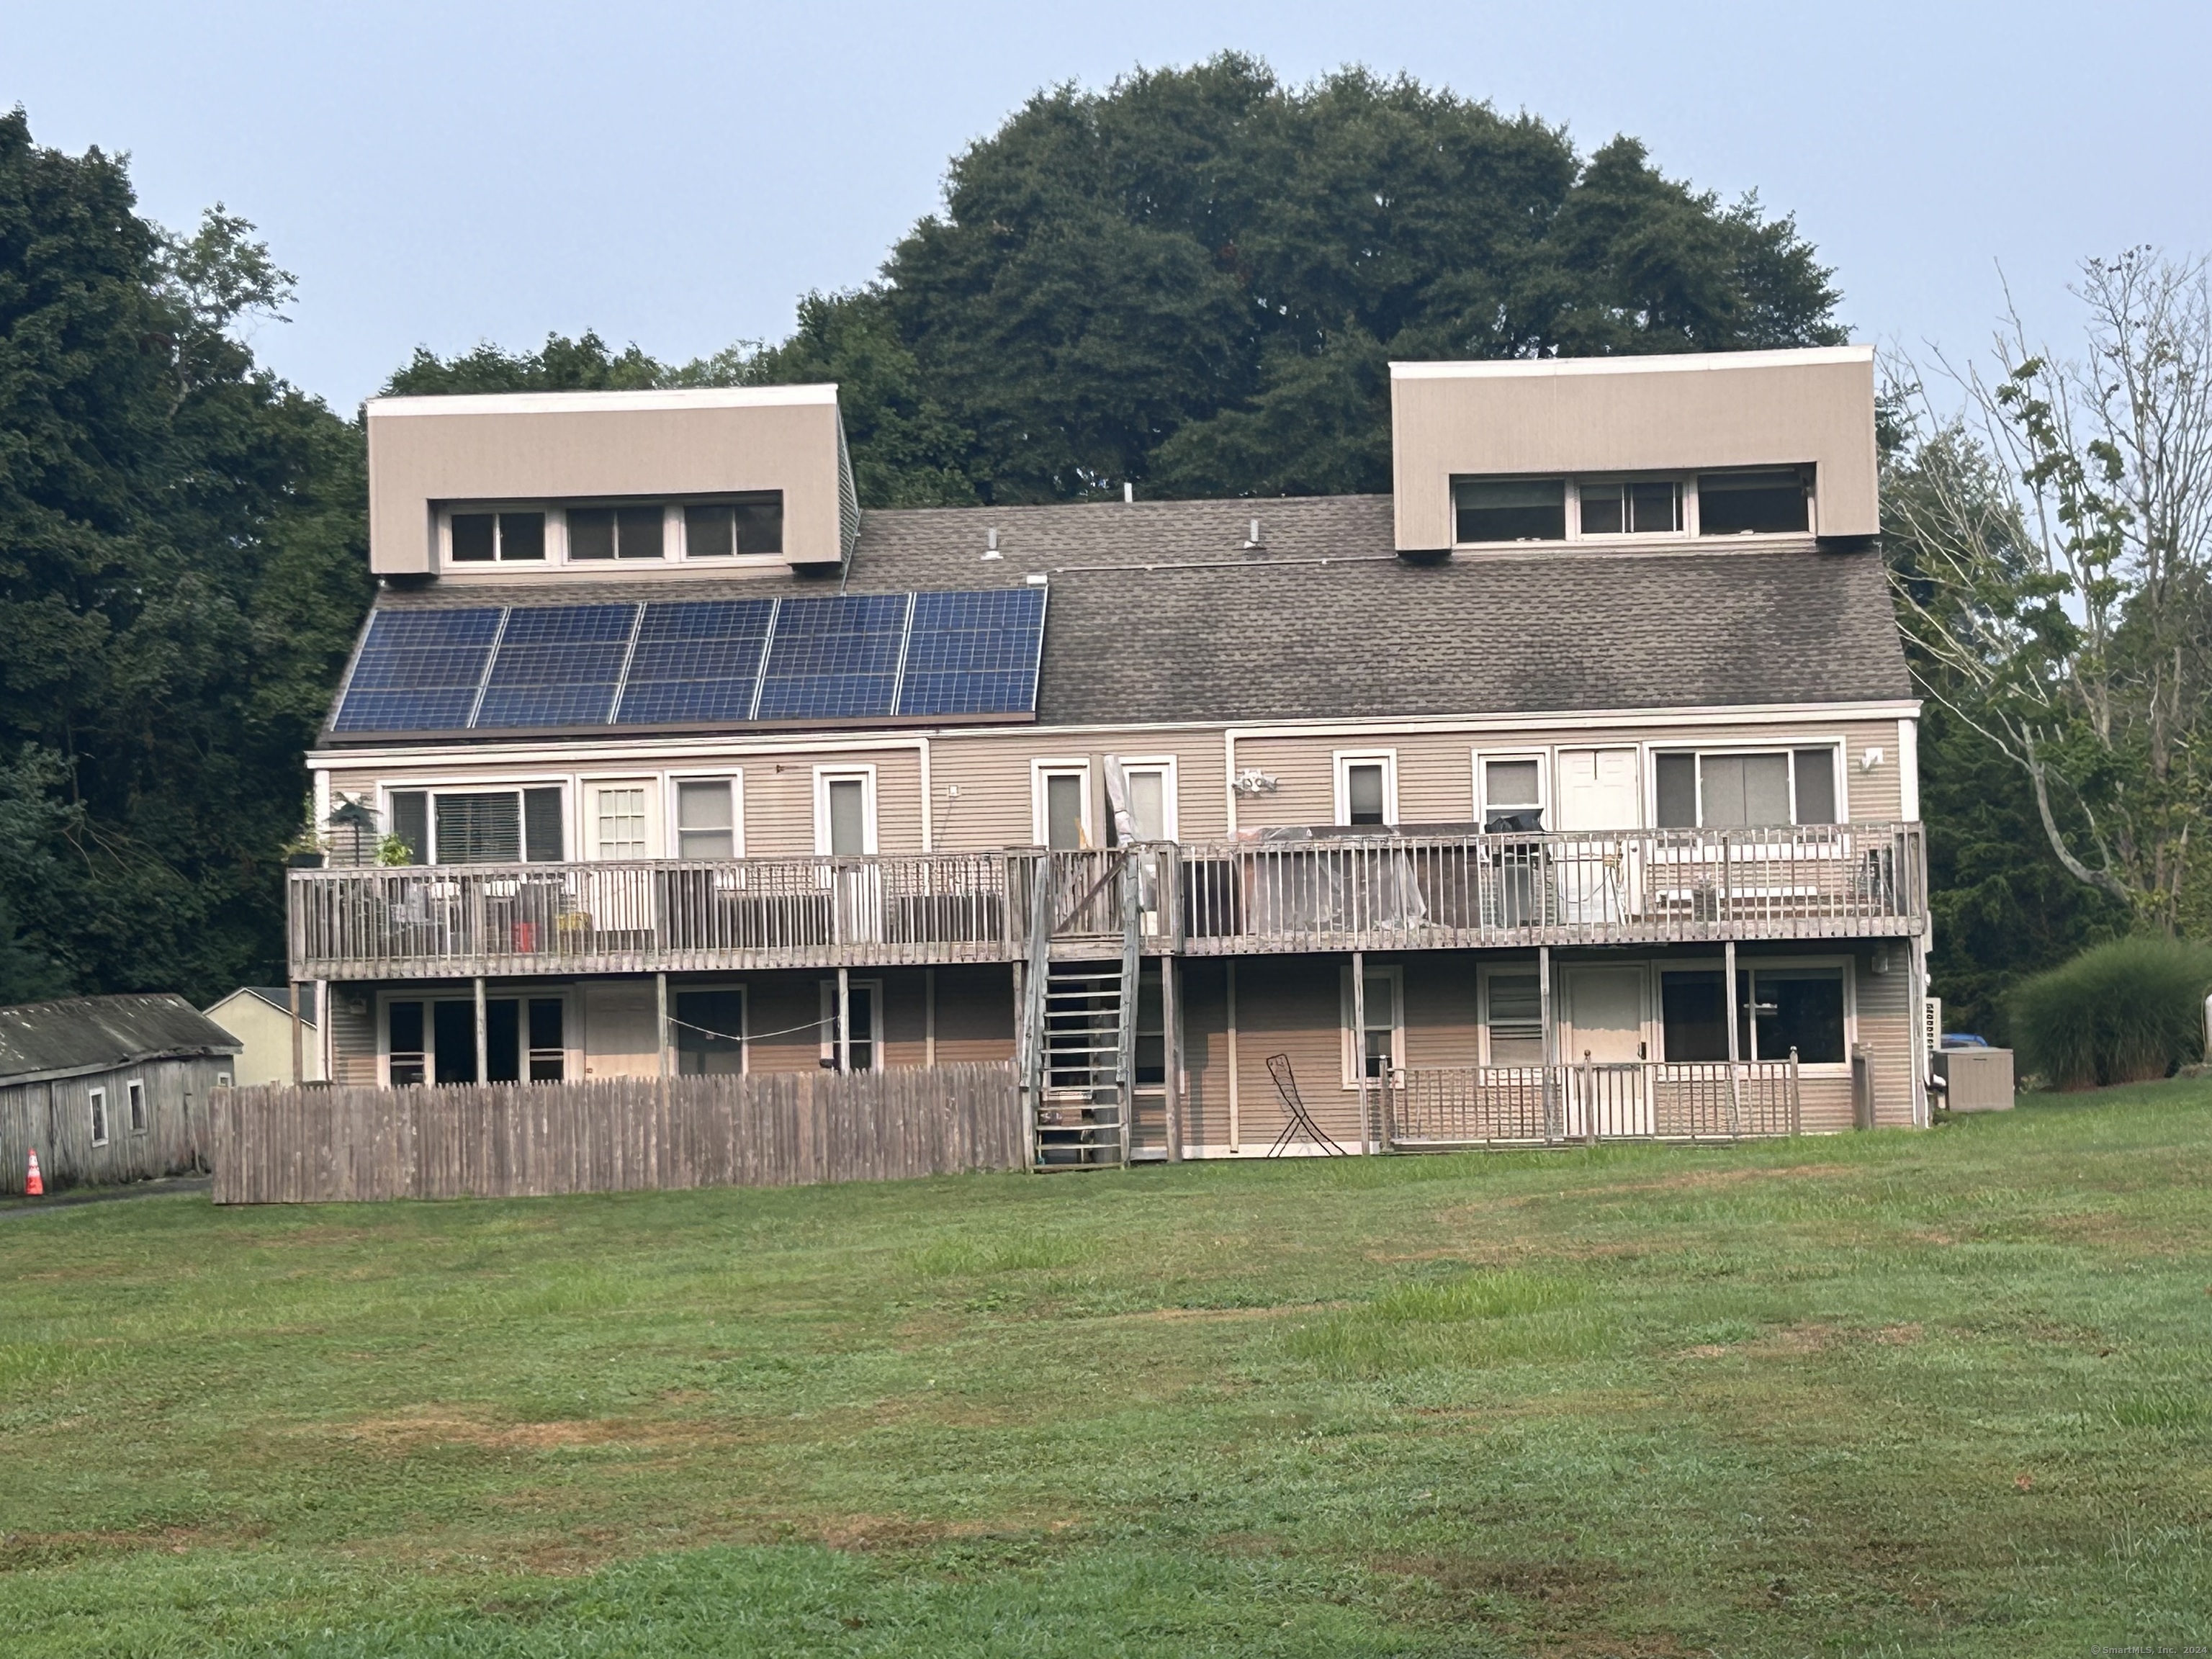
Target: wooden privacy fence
[(278, 1143)]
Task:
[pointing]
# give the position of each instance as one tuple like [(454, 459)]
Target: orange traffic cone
[(33, 1187)]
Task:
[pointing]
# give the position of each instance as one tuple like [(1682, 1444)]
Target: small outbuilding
[(260, 1017), (107, 1088)]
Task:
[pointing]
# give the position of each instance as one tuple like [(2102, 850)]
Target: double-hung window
[(1378, 1040), (845, 812), (1512, 788), (1367, 789), (705, 819), (1513, 1019), (1731, 790)]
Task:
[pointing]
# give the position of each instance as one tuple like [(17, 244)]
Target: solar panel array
[(854, 656)]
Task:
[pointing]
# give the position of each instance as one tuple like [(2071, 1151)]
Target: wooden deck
[(1278, 892)]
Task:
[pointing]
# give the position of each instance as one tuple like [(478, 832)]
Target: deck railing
[(1271, 893), (1550, 1105)]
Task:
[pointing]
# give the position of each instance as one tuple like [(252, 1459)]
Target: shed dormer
[(1707, 449), (608, 483)]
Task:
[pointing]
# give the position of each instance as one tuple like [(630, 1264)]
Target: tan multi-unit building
[(1567, 791)]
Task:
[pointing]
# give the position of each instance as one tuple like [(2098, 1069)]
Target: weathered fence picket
[(278, 1143)]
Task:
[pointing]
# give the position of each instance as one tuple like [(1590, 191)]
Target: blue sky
[(442, 173)]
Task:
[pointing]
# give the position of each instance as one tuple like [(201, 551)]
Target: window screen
[(1063, 810), (1740, 790), (1816, 785), (1510, 510), (848, 818), (1362, 792), (1768, 502), (483, 829), (705, 826), (1148, 805), (543, 841), (411, 822), (1676, 780), (1516, 1020), (1643, 509)]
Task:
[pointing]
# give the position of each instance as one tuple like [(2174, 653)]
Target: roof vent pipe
[(1128, 493), (991, 545), (1253, 540)]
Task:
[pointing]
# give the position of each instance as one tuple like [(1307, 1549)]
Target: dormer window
[(485, 538), (1770, 502), (1500, 512), (1647, 508), (734, 526), (1510, 509), (720, 530), (617, 532)]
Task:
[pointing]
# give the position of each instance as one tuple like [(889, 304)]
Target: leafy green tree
[(182, 570), (587, 363), (1196, 279)]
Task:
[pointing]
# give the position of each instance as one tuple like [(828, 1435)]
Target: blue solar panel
[(419, 671), (835, 658), (974, 653), (714, 662), (557, 665), (698, 661)]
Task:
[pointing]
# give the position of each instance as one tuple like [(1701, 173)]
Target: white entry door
[(1607, 1010), (1598, 792)]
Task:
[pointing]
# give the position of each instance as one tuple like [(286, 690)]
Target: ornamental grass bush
[(2123, 1012)]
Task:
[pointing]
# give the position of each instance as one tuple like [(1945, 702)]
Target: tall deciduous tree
[(181, 572), (2054, 549)]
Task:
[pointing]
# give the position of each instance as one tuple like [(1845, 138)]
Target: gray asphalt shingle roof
[(91, 1034), (1275, 633)]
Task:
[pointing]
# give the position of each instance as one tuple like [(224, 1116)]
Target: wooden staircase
[(1078, 1049)]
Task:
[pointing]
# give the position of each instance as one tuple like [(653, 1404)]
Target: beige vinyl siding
[(1442, 1013), (974, 1015), (993, 774), (1435, 770), (1885, 1028), (353, 1035), (1205, 1050)]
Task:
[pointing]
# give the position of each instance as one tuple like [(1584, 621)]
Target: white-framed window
[(222, 1079), (709, 1029), (621, 818), (1366, 788), (1512, 512), (1515, 786), (865, 997), (134, 1099), (461, 824), (488, 535), (1060, 805), (733, 526), (1383, 1042), (96, 1101), (1737, 787), (845, 812), (1153, 804), (709, 817), (1807, 1003), (432, 1038), (1512, 1016)]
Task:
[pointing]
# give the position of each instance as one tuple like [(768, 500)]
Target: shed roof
[(1161, 611), (93, 1034)]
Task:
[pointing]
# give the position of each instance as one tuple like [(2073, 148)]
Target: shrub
[(2122, 1012)]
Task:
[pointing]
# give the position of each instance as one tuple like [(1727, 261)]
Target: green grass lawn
[(1891, 1393)]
